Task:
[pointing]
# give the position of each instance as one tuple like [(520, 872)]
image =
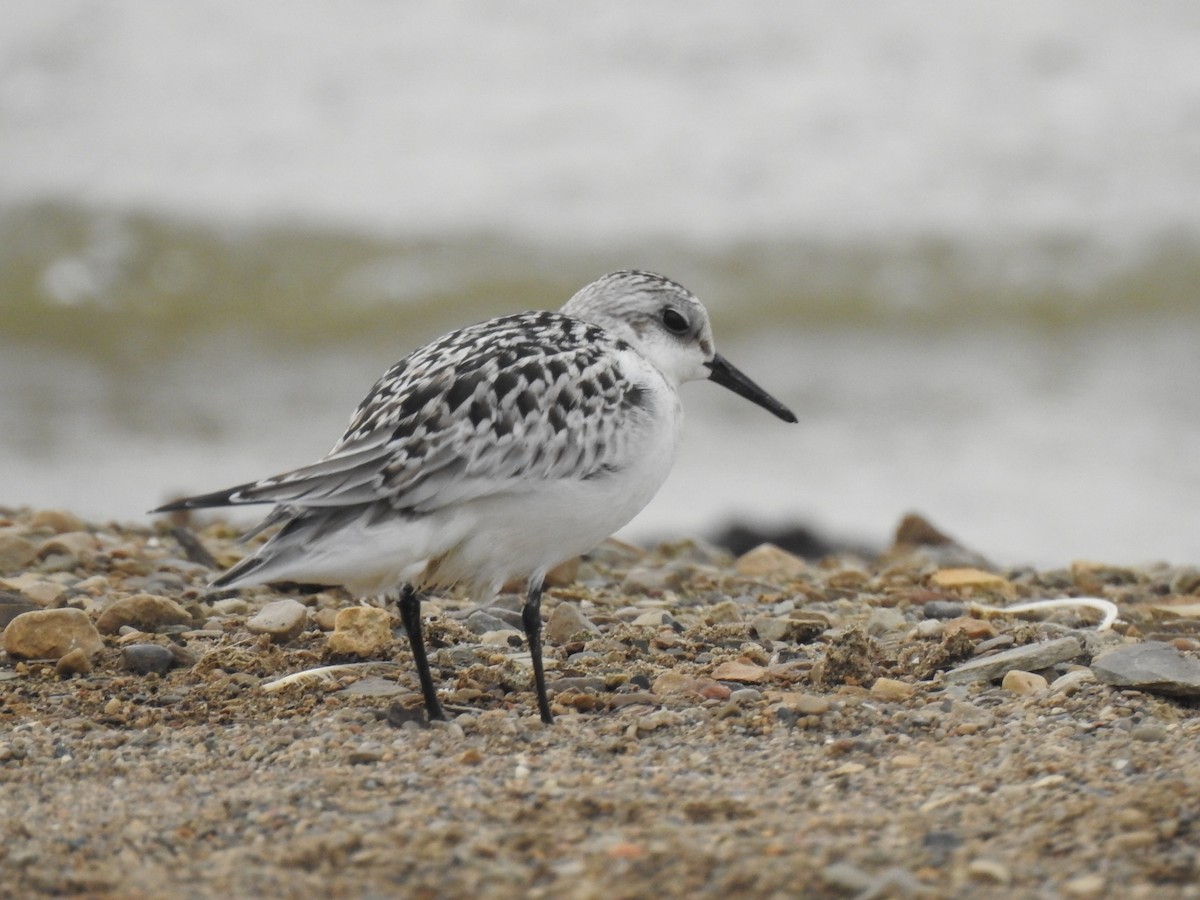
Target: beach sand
[(761, 726)]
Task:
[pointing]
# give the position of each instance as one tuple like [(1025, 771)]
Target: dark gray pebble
[(1153, 666), (483, 621), (944, 609), (146, 658)]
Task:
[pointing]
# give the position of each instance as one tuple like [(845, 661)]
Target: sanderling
[(494, 453)]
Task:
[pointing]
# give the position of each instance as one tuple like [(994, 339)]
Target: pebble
[(361, 631), (16, 553), (34, 587), (566, 622), (57, 520), (769, 561), (283, 620), (1024, 683), (884, 620), (726, 612), (975, 629), (1086, 887), (971, 580), (672, 682), (892, 689), (1186, 581), (503, 637), (76, 548), (1069, 683), (944, 609), (745, 695), (1151, 734), (75, 662), (51, 634), (653, 618), (651, 580), (482, 621), (741, 671), (805, 704), (1153, 666), (230, 606), (11, 606), (989, 870), (145, 612), (146, 658), (1027, 657)]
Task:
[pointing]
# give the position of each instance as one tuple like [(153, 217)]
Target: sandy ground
[(757, 727)]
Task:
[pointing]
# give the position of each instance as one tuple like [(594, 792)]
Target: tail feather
[(227, 497)]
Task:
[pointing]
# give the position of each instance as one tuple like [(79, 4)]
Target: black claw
[(531, 618), (410, 615)]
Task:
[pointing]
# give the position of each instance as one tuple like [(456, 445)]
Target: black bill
[(725, 374)]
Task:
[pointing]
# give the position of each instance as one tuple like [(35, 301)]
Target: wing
[(492, 408)]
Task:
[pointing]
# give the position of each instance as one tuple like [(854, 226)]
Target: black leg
[(531, 618), (410, 615)]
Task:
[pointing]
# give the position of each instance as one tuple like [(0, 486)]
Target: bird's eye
[(674, 321)]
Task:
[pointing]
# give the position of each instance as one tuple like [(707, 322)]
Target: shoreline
[(757, 725)]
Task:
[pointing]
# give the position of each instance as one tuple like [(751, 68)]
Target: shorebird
[(494, 453)]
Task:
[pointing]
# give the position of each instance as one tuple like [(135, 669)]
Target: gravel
[(759, 727)]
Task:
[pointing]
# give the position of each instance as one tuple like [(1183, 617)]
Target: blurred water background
[(962, 241)]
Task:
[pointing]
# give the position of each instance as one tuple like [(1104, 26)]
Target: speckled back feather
[(527, 397)]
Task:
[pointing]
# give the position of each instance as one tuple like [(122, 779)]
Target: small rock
[(16, 553), (975, 629), (146, 658), (650, 580), (1086, 887), (892, 689), (1072, 681), (481, 622), (563, 574), (230, 606), (930, 628), (145, 612), (741, 671), (944, 609), (361, 631), (676, 683), (653, 617), (504, 637), (971, 580), (567, 622), (884, 620), (1151, 734), (767, 561), (51, 634), (373, 687), (11, 606), (745, 695), (1093, 576), (34, 587), (1186, 581), (57, 520), (989, 871), (74, 663), (1154, 667), (1025, 683), (1027, 657), (847, 878), (77, 548), (805, 704), (724, 613), (283, 620), (771, 628)]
